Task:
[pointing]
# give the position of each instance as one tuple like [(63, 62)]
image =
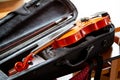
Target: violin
[(82, 28)]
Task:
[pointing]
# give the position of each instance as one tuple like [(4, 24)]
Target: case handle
[(68, 63), (88, 52)]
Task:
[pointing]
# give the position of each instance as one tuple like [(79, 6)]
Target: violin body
[(80, 30)]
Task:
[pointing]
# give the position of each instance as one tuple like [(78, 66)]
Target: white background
[(89, 7)]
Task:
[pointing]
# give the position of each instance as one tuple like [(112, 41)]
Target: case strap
[(99, 60)]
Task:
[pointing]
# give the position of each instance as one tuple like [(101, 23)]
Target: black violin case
[(42, 21)]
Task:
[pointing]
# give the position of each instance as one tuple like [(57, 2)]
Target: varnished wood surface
[(7, 6)]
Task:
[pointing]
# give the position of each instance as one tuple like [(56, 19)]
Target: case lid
[(33, 21)]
